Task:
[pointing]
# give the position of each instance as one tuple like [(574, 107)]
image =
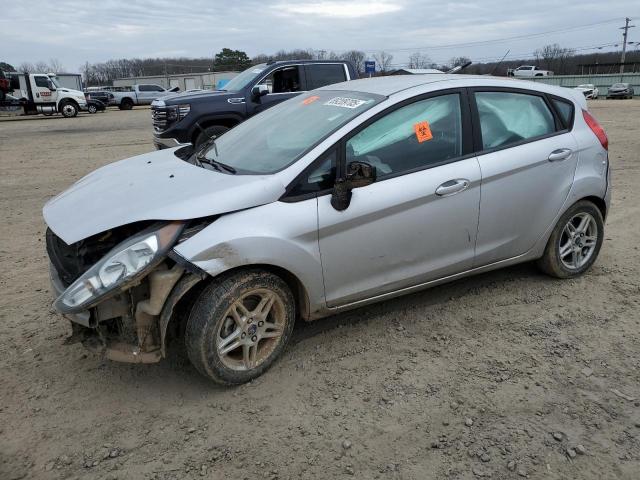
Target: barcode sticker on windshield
[(345, 102)]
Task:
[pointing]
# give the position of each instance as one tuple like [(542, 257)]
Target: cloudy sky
[(75, 31)]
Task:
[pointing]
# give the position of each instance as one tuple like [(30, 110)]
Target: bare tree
[(456, 61), (55, 65), (26, 67), (356, 57), (419, 60), (553, 57), (383, 59)]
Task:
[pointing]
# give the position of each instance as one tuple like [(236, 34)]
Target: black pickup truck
[(181, 118)]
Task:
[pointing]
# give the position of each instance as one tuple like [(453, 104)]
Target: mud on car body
[(340, 197)]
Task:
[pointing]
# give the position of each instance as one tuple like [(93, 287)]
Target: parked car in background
[(340, 197), (142, 94), (102, 95), (526, 71), (589, 90), (620, 90), (195, 117), (95, 106)]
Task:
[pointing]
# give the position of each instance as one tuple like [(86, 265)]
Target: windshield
[(243, 79), (274, 139), (619, 85), (586, 85), (55, 82)]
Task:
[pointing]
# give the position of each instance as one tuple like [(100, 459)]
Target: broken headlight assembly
[(123, 265)]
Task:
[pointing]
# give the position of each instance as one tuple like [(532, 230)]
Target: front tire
[(68, 109), (92, 109), (239, 326), (575, 242), (213, 131)]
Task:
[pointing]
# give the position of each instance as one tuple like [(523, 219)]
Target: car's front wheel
[(575, 242), (239, 326)]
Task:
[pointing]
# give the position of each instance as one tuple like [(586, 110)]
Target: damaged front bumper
[(127, 327)]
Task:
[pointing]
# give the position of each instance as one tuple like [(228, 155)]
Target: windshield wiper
[(216, 164), (201, 154)]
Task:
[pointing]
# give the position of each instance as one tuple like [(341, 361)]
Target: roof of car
[(393, 84)]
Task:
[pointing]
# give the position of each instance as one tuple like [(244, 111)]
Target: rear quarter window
[(565, 110), (320, 75)]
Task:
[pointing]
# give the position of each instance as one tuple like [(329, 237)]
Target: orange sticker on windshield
[(423, 131), (309, 100)]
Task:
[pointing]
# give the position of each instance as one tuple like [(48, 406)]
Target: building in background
[(184, 81)]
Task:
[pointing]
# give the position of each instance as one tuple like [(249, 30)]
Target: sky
[(77, 31)]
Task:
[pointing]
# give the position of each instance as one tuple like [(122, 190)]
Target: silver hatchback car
[(340, 197)]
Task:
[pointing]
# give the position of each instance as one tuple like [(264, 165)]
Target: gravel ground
[(509, 374)]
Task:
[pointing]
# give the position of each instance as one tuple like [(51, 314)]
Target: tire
[(580, 252), (68, 109), (126, 104), (92, 109), (214, 130), (253, 341)]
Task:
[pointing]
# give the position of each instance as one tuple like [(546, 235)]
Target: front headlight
[(123, 265), (177, 112)]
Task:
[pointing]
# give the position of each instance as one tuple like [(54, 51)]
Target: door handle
[(452, 186), (560, 154)]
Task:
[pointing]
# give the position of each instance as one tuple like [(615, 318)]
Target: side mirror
[(359, 174), (50, 86), (259, 91)]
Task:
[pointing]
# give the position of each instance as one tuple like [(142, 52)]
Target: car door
[(42, 92), (528, 158), (282, 83), (418, 221)]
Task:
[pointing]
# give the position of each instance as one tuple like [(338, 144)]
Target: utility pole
[(624, 41)]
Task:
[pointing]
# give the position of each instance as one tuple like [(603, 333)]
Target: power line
[(498, 40)]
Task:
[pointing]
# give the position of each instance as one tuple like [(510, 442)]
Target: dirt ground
[(509, 374)]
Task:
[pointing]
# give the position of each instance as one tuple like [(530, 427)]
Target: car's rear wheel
[(239, 326), (126, 104), (575, 242)]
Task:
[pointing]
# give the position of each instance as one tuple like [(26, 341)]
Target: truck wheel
[(68, 109), (126, 104), (238, 326), (215, 130)]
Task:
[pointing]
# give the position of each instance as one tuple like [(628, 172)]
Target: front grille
[(159, 118)]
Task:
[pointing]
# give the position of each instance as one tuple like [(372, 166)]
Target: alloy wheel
[(578, 241), (251, 329)]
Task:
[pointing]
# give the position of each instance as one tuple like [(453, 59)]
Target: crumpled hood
[(153, 186)]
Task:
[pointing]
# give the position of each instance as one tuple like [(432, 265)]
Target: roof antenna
[(498, 64)]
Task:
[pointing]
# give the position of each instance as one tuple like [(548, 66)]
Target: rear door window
[(507, 118), (319, 75)]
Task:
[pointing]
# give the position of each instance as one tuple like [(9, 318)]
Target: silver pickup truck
[(141, 94)]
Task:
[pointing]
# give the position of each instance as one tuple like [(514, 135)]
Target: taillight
[(596, 129)]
